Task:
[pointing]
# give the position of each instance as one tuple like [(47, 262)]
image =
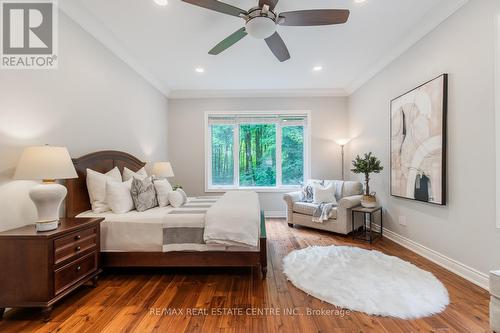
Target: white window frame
[(209, 187)]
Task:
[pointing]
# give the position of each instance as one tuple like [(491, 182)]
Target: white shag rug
[(366, 281)]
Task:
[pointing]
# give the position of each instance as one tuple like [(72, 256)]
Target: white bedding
[(143, 231), (234, 220)]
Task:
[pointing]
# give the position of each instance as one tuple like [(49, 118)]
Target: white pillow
[(129, 174), (184, 195), (324, 194), (118, 196), (163, 188), (176, 198), (96, 185)]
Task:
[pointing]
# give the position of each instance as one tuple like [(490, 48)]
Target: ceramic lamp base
[(47, 198), (47, 226)]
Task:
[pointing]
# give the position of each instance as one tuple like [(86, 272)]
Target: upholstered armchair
[(348, 195)]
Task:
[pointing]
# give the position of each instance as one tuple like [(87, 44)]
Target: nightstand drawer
[(74, 249), (71, 273), (74, 237)]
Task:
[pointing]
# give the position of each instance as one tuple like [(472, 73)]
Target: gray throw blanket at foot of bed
[(322, 212)]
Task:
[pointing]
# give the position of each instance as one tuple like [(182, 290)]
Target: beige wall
[(92, 102), (462, 46), (497, 114), (186, 137)]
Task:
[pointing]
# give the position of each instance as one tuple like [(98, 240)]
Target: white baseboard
[(468, 273), (274, 214)]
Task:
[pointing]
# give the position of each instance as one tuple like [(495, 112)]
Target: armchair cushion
[(308, 208)]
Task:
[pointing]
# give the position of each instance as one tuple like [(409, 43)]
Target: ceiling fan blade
[(228, 42), (218, 6), (270, 3), (314, 17), (278, 47)]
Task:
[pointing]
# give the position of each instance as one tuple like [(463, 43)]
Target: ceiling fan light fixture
[(261, 27)]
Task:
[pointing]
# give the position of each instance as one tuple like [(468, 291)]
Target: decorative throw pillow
[(163, 188), (143, 194), (96, 186), (118, 196), (307, 191), (307, 194), (184, 195), (129, 174), (322, 194), (176, 198)]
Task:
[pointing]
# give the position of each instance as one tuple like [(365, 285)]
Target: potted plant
[(367, 165)]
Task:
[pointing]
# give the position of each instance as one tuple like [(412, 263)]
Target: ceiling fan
[(261, 22)]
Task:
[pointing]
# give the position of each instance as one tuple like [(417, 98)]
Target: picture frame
[(418, 134)]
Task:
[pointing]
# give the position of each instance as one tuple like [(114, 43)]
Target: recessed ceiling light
[(161, 2), (359, 1), (317, 68), (199, 70)]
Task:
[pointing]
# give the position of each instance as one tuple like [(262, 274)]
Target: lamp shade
[(342, 142), (163, 169), (45, 163)]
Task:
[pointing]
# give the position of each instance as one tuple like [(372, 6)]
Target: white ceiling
[(166, 44)]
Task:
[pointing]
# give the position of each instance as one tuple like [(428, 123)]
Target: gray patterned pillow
[(307, 194), (143, 194), (307, 191)]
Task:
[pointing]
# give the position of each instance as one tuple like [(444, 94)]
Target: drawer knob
[(78, 268), (77, 237), (77, 248)]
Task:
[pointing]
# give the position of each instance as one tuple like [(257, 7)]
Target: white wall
[(92, 102), (462, 46), (497, 114), (186, 137)]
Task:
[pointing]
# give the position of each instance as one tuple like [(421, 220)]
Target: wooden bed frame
[(77, 201)]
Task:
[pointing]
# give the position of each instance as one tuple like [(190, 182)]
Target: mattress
[(160, 229)]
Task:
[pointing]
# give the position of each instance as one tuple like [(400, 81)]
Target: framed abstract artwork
[(418, 142)]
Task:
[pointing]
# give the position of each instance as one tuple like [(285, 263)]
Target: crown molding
[(269, 93), (96, 28), (432, 21)]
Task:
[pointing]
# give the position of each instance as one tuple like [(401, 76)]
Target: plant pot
[(369, 201)]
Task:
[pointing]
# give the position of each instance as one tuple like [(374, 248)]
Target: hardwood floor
[(163, 300)]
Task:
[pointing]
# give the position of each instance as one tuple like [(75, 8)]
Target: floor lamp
[(342, 143)]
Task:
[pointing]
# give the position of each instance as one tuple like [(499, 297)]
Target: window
[(222, 155), (258, 155), (258, 150), (292, 155)]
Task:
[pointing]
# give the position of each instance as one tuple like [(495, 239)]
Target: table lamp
[(163, 170), (46, 163)]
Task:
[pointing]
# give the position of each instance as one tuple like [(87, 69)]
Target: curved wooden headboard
[(77, 200)]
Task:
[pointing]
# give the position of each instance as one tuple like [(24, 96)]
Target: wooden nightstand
[(40, 268)]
